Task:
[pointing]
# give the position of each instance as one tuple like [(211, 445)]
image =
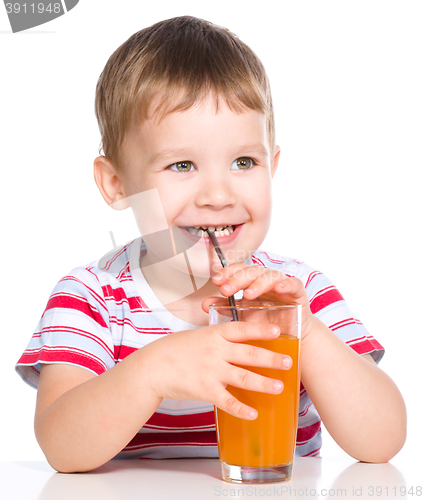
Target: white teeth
[(219, 230)]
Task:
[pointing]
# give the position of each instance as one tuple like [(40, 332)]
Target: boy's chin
[(199, 267), (200, 272)]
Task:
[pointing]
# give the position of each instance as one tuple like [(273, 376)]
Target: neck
[(170, 284)]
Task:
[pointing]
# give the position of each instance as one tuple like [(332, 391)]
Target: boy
[(124, 361)]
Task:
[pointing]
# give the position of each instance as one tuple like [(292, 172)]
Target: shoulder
[(326, 301), (287, 265), (112, 266), (314, 281), (96, 279)]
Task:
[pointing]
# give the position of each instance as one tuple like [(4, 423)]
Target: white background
[(347, 80)]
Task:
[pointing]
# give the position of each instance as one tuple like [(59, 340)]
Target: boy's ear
[(109, 183), (275, 160)]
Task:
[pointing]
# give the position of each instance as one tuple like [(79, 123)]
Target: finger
[(250, 381), (251, 355), (241, 279), (241, 331), (228, 403), (262, 284), (290, 286), (223, 302), (233, 269), (227, 272), (219, 301)]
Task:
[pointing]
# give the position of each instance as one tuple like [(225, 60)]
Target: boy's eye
[(181, 166), (243, 163)]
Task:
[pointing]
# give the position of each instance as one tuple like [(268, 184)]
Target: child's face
[(209, 169)]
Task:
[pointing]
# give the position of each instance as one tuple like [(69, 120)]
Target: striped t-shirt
[(99, 314)]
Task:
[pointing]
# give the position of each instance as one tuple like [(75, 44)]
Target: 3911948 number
[(380, 491), (33, 8)]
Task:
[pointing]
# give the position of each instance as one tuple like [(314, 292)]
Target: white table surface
[(200, 479)]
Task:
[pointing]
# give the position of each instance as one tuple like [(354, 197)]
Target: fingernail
[(278, 386), (249, 291), (226, 288), (274, 330), (287, 362), (253, 414)]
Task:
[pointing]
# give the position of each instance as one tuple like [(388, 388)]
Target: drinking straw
[(224, 263)]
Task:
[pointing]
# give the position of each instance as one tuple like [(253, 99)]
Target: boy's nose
[(216, 192)]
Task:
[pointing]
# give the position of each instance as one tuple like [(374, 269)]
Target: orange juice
[(269, 440)]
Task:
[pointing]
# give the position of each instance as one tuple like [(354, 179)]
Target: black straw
[(224, 263)]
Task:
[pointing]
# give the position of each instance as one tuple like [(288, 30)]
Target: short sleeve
[(74, 329), (328, 304)]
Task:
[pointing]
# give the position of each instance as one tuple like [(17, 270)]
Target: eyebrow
[(169, 153), (185, 153), (259, 149)]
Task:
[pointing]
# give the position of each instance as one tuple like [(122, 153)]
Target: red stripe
[(119, 296), (122, 351), (346, 322), (76, 331), (313, 453), (128, 322), (106, 267), (274, 261), (93, 293), (258, 261), (305, 410), (124, 274), (67, 301), (311, 277), (305, 434), (126, 268), (325, 299), (62, 355), (144, 440), (366, 346), (182, 421), (142, 304)]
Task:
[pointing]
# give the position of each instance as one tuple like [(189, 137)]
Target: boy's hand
[(260, 282), (199, 364)]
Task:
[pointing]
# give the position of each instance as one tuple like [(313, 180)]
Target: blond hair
[(176, 63)]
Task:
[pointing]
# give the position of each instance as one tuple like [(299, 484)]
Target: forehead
[(203, 127)]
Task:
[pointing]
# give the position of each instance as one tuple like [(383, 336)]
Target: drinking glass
[(262, 450)]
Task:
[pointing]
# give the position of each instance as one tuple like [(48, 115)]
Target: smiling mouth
[(218, 230)]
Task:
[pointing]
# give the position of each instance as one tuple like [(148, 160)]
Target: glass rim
[(250, 307)]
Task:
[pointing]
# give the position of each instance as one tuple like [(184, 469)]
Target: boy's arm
[(359, 404), (83, 420)]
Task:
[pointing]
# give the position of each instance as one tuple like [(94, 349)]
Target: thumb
[(219, 301)]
